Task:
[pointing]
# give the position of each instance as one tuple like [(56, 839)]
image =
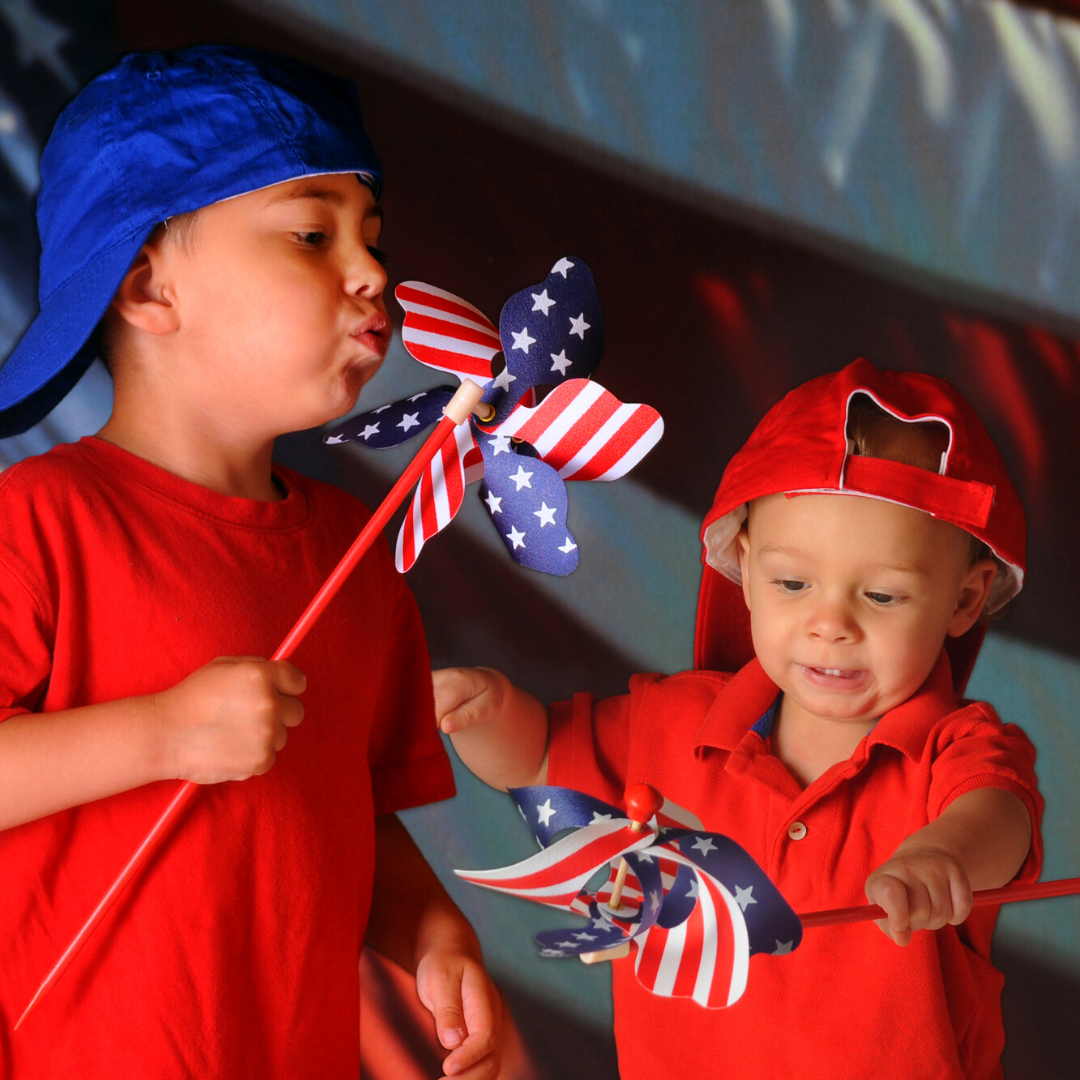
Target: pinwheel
[(695, 905), (552, 335)]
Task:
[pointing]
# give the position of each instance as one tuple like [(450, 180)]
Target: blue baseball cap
[(160, 134)]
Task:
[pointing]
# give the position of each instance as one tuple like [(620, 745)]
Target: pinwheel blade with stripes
[(551, 335), (695, 904)]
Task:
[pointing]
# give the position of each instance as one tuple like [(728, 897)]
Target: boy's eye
[(883, 599), (788, 586), (377, 254), (311, 239)]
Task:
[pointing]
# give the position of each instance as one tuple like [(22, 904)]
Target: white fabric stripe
[(563, 849), (567, 405), (598, 441), (417, 523), (669, 962), (439, 495), (707, 966), (399, 547), (484, 327), (636, 452), (679, 816), (411, 336), (586, 397), (539, 892), (422, 286)]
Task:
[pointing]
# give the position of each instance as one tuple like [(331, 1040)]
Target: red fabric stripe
[(406, 293), (452, 470), (427, 504), (451, 330), (725, 951), (593, 854), (618, 445), (450, 361), (586, 427), (690, 960), (651, 955), (408, 544)]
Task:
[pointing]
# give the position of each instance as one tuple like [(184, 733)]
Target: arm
[(416, 924), (980, 841), (226, 721), (498, 731)]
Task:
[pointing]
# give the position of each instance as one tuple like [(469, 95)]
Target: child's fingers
[(962, 898), (287, 678), (477, 1056), (461, 696), (891, 894)]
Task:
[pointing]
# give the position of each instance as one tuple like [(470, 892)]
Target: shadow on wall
[(1042, 1037)]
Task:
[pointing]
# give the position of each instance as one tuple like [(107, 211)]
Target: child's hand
[(228, 719), (467, 696), (455, 988), (920, 888)]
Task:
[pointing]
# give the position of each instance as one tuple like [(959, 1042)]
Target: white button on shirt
[(796, 830)]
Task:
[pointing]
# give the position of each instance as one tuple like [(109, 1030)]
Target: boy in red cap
[(859, 536), (213, 213)]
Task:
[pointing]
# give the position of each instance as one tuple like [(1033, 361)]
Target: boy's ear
[(146, 299), (743, 540), (974, 592)]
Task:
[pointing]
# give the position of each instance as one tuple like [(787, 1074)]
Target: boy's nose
[(833, 620), (364, 274)]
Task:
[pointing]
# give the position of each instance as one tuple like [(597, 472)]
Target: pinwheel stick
[(1008, 894), (456, 412), (642, 802)]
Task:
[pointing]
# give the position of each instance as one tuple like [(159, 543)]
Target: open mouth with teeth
[(835, 678)]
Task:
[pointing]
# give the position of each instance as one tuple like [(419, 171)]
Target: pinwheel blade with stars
[(551, 334), (695, 904)]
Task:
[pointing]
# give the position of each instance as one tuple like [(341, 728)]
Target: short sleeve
[(26, 637), (991, 754), (589, 741), (409, 765)]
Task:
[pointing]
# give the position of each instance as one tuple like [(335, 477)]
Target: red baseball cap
[(801, 447)]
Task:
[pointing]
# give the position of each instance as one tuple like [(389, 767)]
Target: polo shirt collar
[(746, 707)]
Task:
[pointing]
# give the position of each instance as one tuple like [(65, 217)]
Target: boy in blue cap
[(209, 217)]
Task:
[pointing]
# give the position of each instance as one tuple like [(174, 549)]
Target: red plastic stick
[(1009, 894), (457, 411)]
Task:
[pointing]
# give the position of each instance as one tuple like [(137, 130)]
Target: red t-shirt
[(235, 952), (847, 1002)]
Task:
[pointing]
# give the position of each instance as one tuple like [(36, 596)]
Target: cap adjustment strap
[(965, 502)]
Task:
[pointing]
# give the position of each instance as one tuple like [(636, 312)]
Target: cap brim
[(50, 358)]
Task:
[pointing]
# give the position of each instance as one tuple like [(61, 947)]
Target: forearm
[(509, 747), (988, 831), (411, 913), (53, 761)]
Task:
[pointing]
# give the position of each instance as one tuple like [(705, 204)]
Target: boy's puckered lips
[(373, 333)]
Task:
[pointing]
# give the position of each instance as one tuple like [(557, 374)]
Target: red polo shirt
[(847, 1002)]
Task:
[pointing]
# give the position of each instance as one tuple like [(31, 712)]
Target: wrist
[(443, 930), (163, 753)]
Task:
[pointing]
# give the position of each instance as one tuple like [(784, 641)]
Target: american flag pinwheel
[(551, 334), (695, 904)]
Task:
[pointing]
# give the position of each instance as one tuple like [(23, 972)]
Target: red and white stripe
[(585, 432), (446, 332), (706, 957), (439, 495), (556, 874)]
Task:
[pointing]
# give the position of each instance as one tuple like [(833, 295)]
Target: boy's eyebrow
[(314, 191), (903, 568)]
